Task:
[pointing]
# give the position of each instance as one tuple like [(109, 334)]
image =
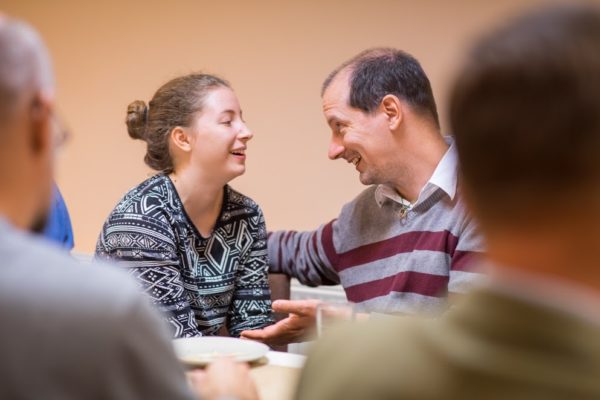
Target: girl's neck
[(202, 198)]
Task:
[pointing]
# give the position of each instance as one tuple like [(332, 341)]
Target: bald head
[(25, 66), (27, 125)]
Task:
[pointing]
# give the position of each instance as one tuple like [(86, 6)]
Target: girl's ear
[(181, 138)]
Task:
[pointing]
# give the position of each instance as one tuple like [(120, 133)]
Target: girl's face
[(220, 135)]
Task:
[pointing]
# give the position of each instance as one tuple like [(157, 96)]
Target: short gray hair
[(25, 64)]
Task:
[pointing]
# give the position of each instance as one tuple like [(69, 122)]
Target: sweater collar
[(444, 177)]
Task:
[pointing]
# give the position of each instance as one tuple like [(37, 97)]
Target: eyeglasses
[(60, 132)]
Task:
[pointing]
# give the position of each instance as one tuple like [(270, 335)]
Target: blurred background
[(275, 54)]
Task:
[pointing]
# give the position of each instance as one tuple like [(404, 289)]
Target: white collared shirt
[(444, 177)]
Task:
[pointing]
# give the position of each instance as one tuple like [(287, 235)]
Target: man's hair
[(24, 64), (525, 112), (377, 72)]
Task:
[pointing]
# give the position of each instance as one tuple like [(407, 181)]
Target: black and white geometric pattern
[(198, 283)]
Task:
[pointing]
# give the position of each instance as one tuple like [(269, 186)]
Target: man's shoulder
[(38, 271), (395, 356), (367, 195)]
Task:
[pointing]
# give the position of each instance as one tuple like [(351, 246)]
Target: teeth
[(355, 161)]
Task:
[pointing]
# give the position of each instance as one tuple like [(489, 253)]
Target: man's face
[(50, 135), (359, 138)]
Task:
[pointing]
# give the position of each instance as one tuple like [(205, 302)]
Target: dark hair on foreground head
[(525, 112), (174, 104), (378, 72)]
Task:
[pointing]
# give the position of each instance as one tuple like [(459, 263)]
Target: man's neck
[(421, 165)]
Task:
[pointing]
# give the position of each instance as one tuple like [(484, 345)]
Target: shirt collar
[(444, 177)]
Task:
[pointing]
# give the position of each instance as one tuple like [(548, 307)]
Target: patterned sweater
[(390, 256), (198, 283)]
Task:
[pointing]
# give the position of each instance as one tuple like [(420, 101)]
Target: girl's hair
[(174, 104)]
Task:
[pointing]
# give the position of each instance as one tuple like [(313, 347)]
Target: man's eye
[(227, 123)]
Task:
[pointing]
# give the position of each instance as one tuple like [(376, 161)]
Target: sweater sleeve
[(251, 303), (146, 247), (307, 256), (463, 266)]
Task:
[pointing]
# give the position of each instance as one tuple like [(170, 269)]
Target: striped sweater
[(389, 258)]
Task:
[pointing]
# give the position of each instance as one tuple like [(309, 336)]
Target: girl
[(197, 247)]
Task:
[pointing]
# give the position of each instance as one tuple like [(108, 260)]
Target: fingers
[(301, 307), (224, 378), (257, 334), (266, 333)]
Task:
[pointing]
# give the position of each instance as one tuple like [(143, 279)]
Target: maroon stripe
[(327, 241), (464, 261), (442, 241), (403, 282)]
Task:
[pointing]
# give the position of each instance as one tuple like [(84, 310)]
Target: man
[(404, 243), (69, 332), (526, 115)]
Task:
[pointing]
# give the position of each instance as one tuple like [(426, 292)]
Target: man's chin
[(366, 179), (39, 224)]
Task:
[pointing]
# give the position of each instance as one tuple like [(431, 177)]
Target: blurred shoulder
[(357, 361), (38, 272)]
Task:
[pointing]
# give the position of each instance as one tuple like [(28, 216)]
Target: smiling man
[(405, 242)]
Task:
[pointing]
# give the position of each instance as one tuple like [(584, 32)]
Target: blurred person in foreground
[(405, 243), (525, 111), (70, 332)]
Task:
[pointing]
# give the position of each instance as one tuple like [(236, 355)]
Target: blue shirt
[(58, 226)]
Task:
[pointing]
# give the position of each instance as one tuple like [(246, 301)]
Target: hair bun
[(137, 116)]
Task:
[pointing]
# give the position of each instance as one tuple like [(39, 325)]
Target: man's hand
[(223, 379), (293, 329)]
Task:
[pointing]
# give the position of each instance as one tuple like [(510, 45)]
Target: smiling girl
[(197, 246)]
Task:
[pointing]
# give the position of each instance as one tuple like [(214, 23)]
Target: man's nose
[(336, 149)]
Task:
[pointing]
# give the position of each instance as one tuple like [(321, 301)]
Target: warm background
[(275, 54)]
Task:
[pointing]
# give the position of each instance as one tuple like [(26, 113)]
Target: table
[(277, 375)]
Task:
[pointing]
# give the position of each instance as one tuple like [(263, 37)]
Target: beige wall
[(276, 54)]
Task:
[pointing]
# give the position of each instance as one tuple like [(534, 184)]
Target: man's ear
[(392, 108), (181, 138), (41, 130)]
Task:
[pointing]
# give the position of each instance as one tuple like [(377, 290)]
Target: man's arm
[(464, 268), (151, 370), (307, 256)]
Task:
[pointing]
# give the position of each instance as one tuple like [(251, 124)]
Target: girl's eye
[(226, 123)]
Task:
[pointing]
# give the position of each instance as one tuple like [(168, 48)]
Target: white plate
[(199, 351)]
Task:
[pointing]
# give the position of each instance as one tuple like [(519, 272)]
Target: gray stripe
[(463, 281), (404, 303), (424, 261)]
